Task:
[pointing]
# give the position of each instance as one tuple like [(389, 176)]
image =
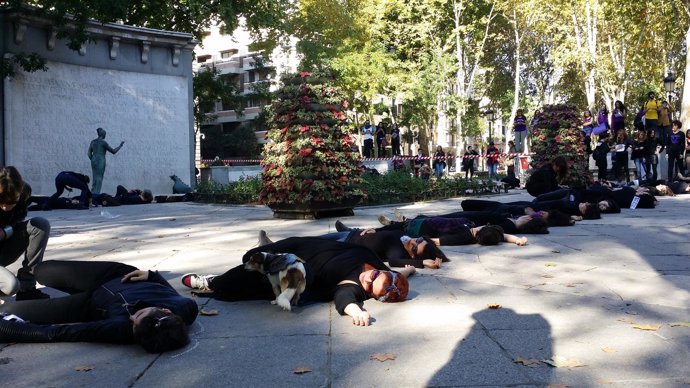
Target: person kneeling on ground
[(108, 302), (335, 271)]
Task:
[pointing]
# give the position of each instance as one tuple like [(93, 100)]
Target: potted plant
[(309, 167)]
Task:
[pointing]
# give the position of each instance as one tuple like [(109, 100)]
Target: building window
[(251, 75)]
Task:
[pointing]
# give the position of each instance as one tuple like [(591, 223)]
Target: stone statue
[(97, 150)]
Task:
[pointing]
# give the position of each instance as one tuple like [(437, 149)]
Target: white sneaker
[(197, 282)]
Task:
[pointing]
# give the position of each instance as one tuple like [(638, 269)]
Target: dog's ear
[(258, 257)]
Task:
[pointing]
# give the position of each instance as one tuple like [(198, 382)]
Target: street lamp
[(670, 84), (489, 115)]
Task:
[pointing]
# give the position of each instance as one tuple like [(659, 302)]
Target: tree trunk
[(685, 104)]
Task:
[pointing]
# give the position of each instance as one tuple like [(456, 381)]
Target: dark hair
[(536, 225), (431, 251), (677, 123), (647, 201), (612, 207), (159, 332), (592, 211), (11, 185), (490, 235), (147, 196), (562, 165), (558, 218)]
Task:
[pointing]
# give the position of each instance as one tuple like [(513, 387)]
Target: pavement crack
[(329, 350), (143, 372)]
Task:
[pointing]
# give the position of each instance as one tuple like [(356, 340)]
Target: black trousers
[(240, 284), (77, 278), (675, 164)]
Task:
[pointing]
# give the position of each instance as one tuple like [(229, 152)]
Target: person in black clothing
[(652, 147), (108, 302), (556, 213), (605, 202), (621, 155), (468, 162), (600, 156), (19, 236), (71, 180), (133, 197), (546, 178), (335, 271), (675, 147)]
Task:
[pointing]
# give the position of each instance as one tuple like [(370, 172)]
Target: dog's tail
[(285, 297)]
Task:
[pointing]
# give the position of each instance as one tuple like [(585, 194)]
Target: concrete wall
[(136, 83)]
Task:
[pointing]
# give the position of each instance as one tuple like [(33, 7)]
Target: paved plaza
[(607, 301)]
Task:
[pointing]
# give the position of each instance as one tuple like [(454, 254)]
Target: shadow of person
[(493, 350)]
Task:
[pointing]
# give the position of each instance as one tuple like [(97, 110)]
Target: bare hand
[(433, 264), (367, 231), (522, 241), (136, 276), (361, 318)]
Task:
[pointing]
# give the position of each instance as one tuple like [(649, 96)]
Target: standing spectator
[(687, 150), (535, 119), (618, 116), (653, 146), (587, 128), (621, 155), (468, 162), (675, 145), (380, 141), (492, 161), (603, 116), (638, 155), (368, 137), (19, 237), (520, 129), (600, 156), (395, 140), (439, 163), (665, 118), (651, 109)]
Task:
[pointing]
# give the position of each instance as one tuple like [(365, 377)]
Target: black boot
[(340, 227)]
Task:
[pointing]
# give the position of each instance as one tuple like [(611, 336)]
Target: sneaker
[(263, 238), (398, 215), (340, 227), (31, 294), (197, 282), (384, 220)]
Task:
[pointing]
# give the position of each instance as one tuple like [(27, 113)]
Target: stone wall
[(135, 83)]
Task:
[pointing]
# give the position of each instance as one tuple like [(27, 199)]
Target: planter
[(314, 210)]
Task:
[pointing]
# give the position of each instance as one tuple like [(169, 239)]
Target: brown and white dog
[(286, 273)]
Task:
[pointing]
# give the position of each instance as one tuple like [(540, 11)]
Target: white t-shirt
[(368, 132)]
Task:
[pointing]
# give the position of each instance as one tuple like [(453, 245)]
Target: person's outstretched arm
[(360, 317), (509, 238)]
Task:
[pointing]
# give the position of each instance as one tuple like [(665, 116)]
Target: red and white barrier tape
[(497, 154)]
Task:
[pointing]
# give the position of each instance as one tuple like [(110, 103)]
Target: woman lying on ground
[(625, 195), (453, 231), (554, 211), (532, 223), (605, 202), (391, 246), (108, 302), (335, 271)]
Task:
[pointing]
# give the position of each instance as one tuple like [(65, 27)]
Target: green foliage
[(239, 142), (210, 87), (243, 191), (26, 62)]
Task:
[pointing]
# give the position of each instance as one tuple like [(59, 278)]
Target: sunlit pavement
[(606, 301)]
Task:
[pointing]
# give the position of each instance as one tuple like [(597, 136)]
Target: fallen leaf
[(562, 362), (382, 357), (626, 320), (160, 236), (632, 313), (173, 219), (550, 264), (647, 327), (556, 251), (547, 276), (301, 371), (208, 312), (684, 324), (528, 362), (84, 368), (603, 382), (608, 349), (5, 360), (494, 306)]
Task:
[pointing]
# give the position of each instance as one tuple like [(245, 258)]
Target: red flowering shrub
[(309, 157), (558, 133)]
